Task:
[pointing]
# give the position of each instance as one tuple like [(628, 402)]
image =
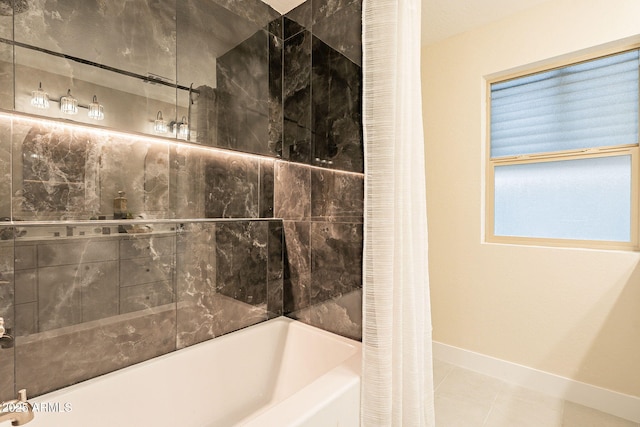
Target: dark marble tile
[(231, 187), (26, 318), (297, 20), (293, 191), (276, 27), (26, 286), (213, 302), (64, 173), (5, 171), (85, 351), (297, 266), (276, 46), (155, 194), (7, 299), (196, 283), (138, 168), (139, 271), (243, 101), (291, 27), (52, 176), (206, 30), (6, 16), (324, 9), (141, 246), (203, 312), (73, 252), (6, 71), (336, 260), (336, 196), (342, 31), (276, 269), (341, 315), (99, 290), (7, 254), (205, 116), (7, 379), (60, 301), (337, 103), (297, 98), (142, 297), (220, 316), (266, 188), (255, 11), (242, 261), (302, 315), (188, 195), (76, 293), (141, 34), (26, 256), (7, 313)]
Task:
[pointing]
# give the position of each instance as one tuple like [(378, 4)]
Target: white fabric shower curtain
[(397, 378)]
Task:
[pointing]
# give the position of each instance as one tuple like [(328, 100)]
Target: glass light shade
[(96, 110), (68, 104), (40, 98), (160, 126), (183, 130)]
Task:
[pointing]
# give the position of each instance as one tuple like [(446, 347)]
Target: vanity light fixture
[(40, 98), (96, 110), (68, 104), (160, 126), (183, 129)]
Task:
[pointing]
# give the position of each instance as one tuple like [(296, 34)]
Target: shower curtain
[(397, 378)]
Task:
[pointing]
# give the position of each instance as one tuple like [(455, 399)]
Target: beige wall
[(571, 312)]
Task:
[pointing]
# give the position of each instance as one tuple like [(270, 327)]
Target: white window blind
[(586, 105)]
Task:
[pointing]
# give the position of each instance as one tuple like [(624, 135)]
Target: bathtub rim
[(350, 367)]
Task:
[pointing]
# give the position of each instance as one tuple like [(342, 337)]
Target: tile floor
[(465, 398)]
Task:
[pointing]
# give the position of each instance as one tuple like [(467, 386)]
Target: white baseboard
[(612, 402)]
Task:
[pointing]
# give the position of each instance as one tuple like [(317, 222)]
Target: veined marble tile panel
[(293, 191), (51, 360), (296, 98), (297, 265), (275, 278), (336, 260), (7, 312), (336, 196), (337, 106)]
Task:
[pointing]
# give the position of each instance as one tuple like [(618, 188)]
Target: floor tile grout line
[(435, 389), (493, 404)]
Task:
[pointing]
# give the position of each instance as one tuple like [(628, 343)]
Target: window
[(563, 155)]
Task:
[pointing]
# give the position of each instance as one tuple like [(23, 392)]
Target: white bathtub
[(275, 374)]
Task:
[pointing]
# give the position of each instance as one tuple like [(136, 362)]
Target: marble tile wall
[(92, 297), (239, 74), (322, 212), (322, 84), (6, 312), (95, 302)]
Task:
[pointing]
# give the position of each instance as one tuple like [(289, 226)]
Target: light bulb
[(183, 132), (40, 98), (96, 110), (160, 126), (68, 104)]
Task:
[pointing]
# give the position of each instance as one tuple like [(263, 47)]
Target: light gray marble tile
[(55, 359)]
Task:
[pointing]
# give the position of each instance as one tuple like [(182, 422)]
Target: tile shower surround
[(101, 300), (257, 238)]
